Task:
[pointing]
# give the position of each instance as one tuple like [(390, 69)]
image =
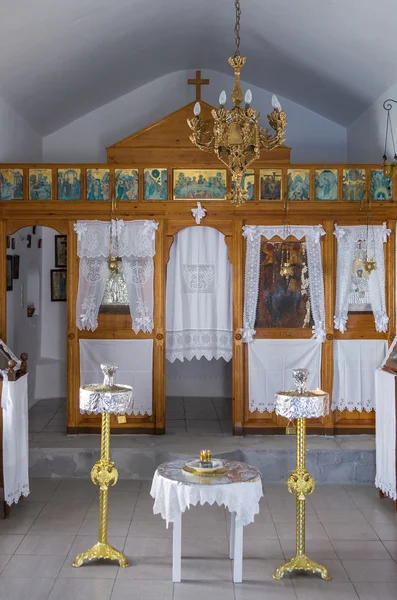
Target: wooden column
[(238, 350), (159, 367), (73, 354)]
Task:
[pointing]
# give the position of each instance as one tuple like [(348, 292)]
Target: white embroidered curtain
[(134, 243), (312, 235), (199, 296), (347, 239)]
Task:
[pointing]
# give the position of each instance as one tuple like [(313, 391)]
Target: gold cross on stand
[(198, 82)]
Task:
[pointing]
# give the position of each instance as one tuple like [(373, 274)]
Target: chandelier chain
[(237, 27)]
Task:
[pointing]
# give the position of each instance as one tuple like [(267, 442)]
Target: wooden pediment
[(166, 143)]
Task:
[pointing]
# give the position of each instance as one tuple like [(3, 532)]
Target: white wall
[(366, 136), (312, 137), (19, 142), (42, 336), (23, 332)]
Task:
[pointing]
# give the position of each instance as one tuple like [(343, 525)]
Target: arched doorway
[(199, 333)]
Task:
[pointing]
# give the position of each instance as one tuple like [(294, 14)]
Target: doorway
[(199, 334), (37, 318)]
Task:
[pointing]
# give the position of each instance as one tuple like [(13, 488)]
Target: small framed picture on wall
[(15, 266), (58, 285), (9, 273), (61, 251)]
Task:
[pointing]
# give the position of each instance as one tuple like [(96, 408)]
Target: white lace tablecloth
[(386, 409), (239, 490)]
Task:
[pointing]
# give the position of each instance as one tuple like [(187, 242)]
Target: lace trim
[(388, 488), (253, 234), (14, 497), (198, 343), (350, 405)]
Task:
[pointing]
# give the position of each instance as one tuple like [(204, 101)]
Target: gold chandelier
[(235, 135)]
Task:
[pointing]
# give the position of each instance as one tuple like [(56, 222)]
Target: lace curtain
[(134, 243), (348, 237), (199, 296), (312, 235)]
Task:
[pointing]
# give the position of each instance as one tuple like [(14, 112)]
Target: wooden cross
[(198, 82)]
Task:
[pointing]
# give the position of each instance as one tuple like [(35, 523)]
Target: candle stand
[(105, 399), (301, 404)]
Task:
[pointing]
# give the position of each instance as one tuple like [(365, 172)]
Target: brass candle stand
[(301, 404), (107, 399)]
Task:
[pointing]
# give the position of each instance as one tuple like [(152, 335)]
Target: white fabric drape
[(14, 402), (270, 368), (199, 296), (134, 359), (385, 390), (355, 362), (347, 239), (312, 235), (134, 243)]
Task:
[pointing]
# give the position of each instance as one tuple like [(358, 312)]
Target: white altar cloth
[(14, 402), (385, 389), (239, 490)]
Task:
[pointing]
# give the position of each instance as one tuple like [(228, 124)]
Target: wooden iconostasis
[(158, 174)]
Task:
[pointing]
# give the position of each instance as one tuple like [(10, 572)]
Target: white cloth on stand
[(270, 364), (355, 362), (134, 359), (199, 296), (385, 389), (14, 402)]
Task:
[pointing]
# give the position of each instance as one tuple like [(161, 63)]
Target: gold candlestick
[(103, 473), (301, 483)]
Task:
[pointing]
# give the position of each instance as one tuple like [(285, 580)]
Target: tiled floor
[(349, 530), (48, 415), (198, 415)]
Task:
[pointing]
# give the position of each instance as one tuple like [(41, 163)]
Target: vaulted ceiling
[(63, 58)]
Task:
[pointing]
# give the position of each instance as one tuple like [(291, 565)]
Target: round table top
[(237, 472)]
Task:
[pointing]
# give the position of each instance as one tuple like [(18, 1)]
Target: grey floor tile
[(128, 485), (310, 589), (197, 590), (371, 570), (391, 547), (4, 561), (19, 525), (64, 510), (346, 531), (102, 569), (33, 566), (262, 548), (357, 550), (380, 515), (265, 590), (149, 529), (142, 590), (341, 516), (88, 589), (27, 509), (146, 567), (43, 525), (206, 569), (266, 531), (376, 591), (208, 547), (116, 527), (45, 544), (386, 531), (23, 588), (9, 542), (196, 427), (150, 547)]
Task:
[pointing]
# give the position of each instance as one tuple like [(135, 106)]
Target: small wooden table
[(239, 490)]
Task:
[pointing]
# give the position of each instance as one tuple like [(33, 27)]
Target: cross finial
[(198, 82)]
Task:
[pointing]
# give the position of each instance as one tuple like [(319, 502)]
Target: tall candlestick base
[(103, 473), (301, 483)]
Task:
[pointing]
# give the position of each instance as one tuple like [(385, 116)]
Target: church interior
[(198, 250)]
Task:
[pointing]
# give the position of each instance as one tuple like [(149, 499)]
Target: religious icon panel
[(126, 182), (199, 184), (298, 184), (360, 295), (326, 184), (270, 184), (98, 184), (248, 184), (155, 184), (11, 184), (380, 185), (69, 184), (40, 184), (353, 184), (284, 292)]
